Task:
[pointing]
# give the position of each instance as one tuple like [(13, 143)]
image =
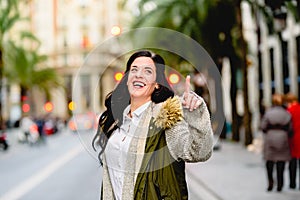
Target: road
[(65, 167), (62, 168)]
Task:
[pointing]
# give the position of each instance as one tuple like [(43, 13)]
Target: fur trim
[(170, 113)]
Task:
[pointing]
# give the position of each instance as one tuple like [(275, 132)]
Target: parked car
[(50, 127)]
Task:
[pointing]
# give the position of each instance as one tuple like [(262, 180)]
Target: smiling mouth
[(138, 84)]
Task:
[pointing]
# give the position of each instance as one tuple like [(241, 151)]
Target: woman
[(146, 136), (293, 107), (276, 124)]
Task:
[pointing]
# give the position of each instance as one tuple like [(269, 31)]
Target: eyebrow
[(147, 67)]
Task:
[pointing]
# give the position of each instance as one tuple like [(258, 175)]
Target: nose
[(139, 73)]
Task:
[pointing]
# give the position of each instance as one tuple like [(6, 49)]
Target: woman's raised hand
[(191, 100)]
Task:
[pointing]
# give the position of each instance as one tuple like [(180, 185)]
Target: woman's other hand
[(190, 99)]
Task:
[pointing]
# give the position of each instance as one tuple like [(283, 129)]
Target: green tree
[(9, 16), (26, 68)]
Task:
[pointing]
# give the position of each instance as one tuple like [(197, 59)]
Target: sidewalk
[(235, 173)]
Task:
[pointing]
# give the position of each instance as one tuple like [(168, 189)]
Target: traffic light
[(25, 107), (48, 106)]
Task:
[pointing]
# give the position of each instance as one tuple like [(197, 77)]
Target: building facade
[(274, 54), (69, 30)]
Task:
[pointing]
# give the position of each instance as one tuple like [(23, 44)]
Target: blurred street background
[(52, 88), (63, 168)]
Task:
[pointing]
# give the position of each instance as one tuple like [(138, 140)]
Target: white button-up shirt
[(117, 148)]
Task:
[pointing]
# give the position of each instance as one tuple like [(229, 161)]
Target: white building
[(69, 30), (274, 58)]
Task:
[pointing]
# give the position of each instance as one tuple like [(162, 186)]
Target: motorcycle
[(31, 136), (3, 141)]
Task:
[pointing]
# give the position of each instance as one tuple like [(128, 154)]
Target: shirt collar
[(138, 112)]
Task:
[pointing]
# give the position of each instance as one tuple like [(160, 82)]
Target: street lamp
[(115, 30)]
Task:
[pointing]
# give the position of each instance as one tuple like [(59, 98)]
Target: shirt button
[(151, 127)]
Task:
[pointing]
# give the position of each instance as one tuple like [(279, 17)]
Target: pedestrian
[(276, 124), (26, 125), (40, 122), (293, 107), (147, 134)]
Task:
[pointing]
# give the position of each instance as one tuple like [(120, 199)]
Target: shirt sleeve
[(191, 139)]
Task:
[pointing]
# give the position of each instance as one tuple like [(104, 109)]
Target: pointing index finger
[(187, 83)]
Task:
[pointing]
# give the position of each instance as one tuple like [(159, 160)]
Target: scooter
[(31, 137), (3, 141)]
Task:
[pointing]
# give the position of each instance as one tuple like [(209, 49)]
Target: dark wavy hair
[(117, 100)]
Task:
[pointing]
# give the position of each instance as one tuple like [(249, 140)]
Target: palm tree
[(209, 22), (9, 16), (23, 67), (183, 16)]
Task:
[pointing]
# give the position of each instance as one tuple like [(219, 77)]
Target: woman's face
[(142, 78)]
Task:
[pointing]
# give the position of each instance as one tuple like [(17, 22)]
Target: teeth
[(140, 84)]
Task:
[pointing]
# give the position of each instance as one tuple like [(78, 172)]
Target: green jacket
[(161, 176), (167, 136)]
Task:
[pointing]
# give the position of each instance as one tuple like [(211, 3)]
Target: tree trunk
[(236, 122), (23, 98), (223, 133), (243, 46)]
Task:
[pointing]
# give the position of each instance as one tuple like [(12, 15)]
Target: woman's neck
[(136, 103)]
